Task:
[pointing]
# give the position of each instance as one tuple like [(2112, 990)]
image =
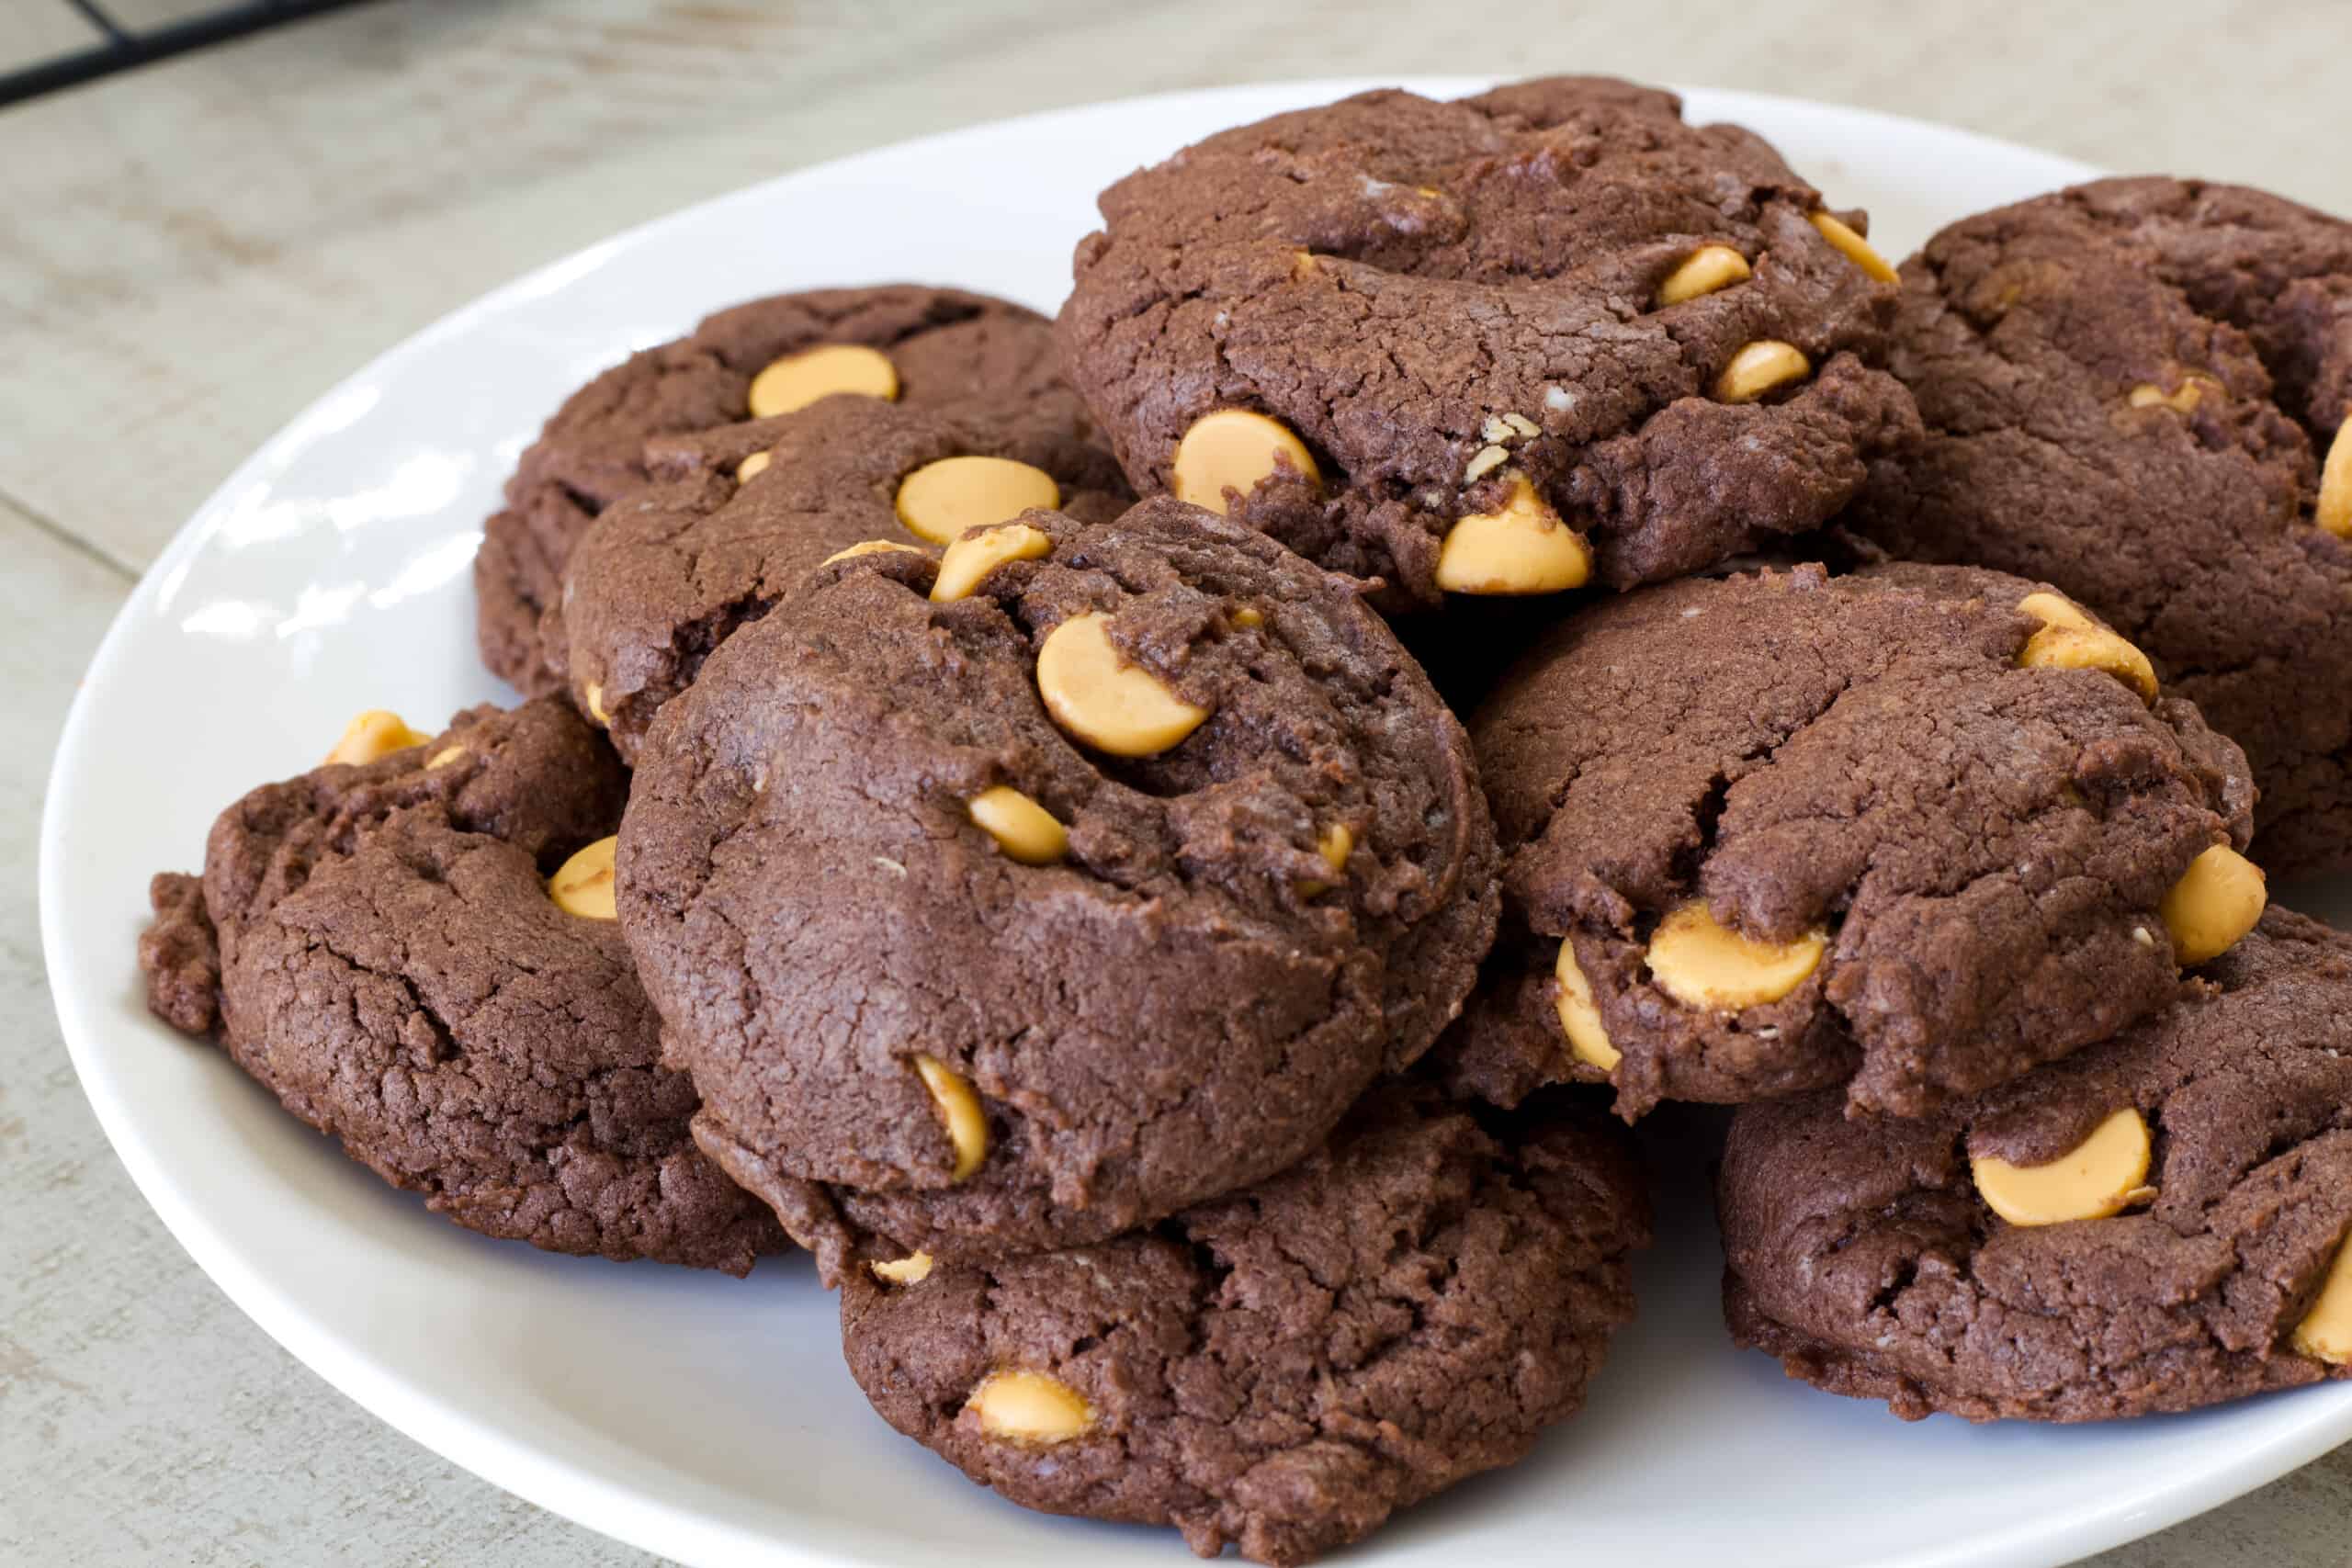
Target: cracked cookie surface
[(1440, 301), (952, 979), (377, 946), (1974, 852), (1281, 1369), (669, 572), (2132, 389), (945, 345), (1861, 1254)]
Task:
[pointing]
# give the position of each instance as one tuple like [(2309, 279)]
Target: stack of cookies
[(1150, 845)]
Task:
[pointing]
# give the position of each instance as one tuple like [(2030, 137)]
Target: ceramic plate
[(711, 1420)]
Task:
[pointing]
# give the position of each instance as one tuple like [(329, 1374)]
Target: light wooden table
[(191, 252)]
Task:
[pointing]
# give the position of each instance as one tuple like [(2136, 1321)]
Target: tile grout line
[(98, 554)]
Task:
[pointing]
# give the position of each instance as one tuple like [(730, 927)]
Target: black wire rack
[(123, 46)]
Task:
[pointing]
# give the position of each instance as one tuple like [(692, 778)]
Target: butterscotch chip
[(869, 547), (2103, 1175), (1113, 706), (1853, 246), (1701, 962), (2334, 509), (1236, 449), (583, 885), (1024, 830), (1579, 1018), (2169, 1214), (1760, 368), (939, 501), (1335, 843), (591, 697), (2217, 900), (443, 757), (2326, 1331), (1249, 616), (959, 1109), (798, 380), (753, 466), (2069, 640), (1522, 546), (1338, 841), (977, 554), (372, 735), (912, 1269), (2182, 399), (1706, 269), (1021, 1406), (1029, 1407)]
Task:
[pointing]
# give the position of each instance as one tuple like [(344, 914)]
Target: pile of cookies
[(990, 809)]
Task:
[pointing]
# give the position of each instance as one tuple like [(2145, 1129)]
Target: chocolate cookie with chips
[(919, 346), (2137, 390), (2154, 1223), (1504, 345), (417, 953), (1913, 833), (1283, 1369), (742, 512), (1018, 898)]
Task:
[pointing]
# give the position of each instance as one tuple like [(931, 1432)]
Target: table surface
[(194, 251)]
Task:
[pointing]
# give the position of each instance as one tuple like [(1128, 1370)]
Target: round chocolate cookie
[(1018, 898), (1282, 1369), (384, 948), (535, 777), (922, 346), (668, 574), (1495, 347), (1914, 834), (2137, 390), (2154, 1223)]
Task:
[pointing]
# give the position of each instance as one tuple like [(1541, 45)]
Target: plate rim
[(643, 1518)]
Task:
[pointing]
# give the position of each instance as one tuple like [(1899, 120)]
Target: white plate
[(712, 1420)]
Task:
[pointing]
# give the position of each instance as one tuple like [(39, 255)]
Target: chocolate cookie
[(2154, 1223), (2137, 390), (383, 948), (1282, 1369), (925, 348), (1019, 899), (1499, 345), (1770, 832), (667, 575)]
